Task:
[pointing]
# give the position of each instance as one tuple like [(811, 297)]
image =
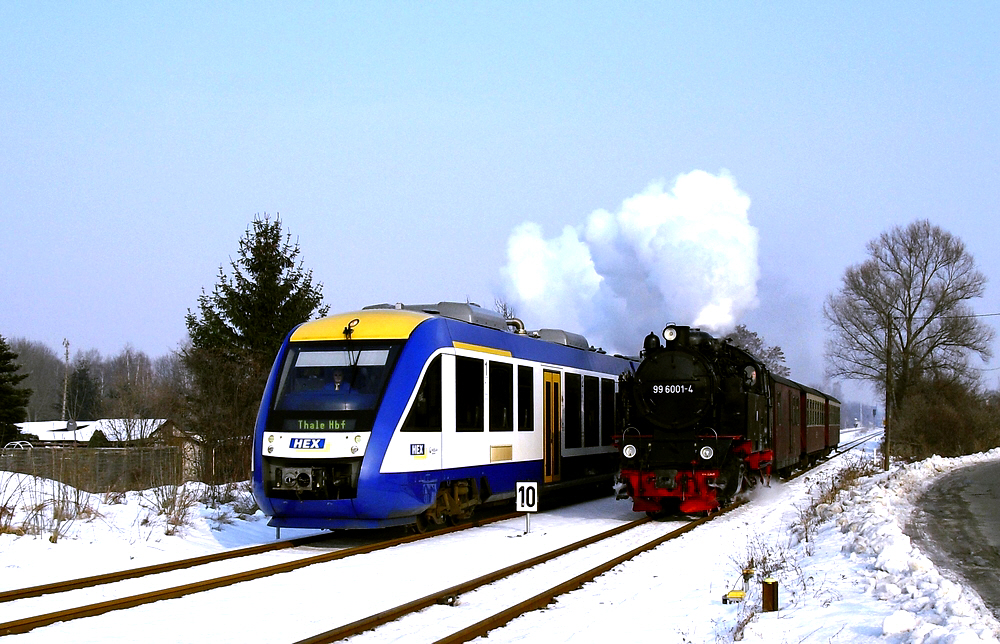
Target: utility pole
[(888, 389), (65, 378)]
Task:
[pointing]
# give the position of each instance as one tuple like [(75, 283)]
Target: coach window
[(469, 396), (574, 409), (591, 411), (425, 414), (525, 399), (501, 397), (607, 411)]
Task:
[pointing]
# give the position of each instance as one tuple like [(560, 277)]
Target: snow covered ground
[(850, 575)]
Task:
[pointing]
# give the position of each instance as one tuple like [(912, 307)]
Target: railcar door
[(553, 423)]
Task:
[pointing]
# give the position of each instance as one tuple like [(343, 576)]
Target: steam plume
[(687, 255)]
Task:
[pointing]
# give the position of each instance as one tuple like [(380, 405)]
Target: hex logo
[(416, 450), (307, 443)]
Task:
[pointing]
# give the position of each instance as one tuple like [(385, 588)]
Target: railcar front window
[(334, 377)]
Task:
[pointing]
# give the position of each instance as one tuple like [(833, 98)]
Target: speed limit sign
[(527, 496), (526, 500)]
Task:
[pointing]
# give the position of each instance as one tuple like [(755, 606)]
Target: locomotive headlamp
[(629, 451), (706, 452), (670, 334)]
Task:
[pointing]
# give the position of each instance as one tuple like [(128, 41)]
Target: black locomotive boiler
[(703, 418)]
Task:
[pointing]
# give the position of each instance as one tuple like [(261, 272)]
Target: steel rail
[(27, 624), (443, 596)]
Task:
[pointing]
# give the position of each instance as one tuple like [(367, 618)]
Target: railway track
[(856, 442), (27, 624), (381, 618), (134, 573), (451, 595)]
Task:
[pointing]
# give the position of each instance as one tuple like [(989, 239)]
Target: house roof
[(115, 429)]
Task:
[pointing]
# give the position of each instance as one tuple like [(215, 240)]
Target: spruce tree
[(234, 338), (753, 344), (13, 400)]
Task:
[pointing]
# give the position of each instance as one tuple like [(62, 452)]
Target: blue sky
[(403, 143)]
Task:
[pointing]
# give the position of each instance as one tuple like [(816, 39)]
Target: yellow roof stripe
[(375, 324), (482, 349)]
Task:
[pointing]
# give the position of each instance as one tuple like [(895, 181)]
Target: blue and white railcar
[(396, 415)]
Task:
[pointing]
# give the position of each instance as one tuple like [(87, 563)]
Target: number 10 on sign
[(526, 500)]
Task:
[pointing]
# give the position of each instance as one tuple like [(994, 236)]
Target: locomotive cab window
[(425, 414)]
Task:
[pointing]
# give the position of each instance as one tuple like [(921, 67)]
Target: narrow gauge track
[(842, 449), (482, 628), (28, 624), (449, 595), (856, 442)]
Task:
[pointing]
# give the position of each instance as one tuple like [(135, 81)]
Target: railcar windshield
[(335, 377)]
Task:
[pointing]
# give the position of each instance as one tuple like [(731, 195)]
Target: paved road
[(957, 524)]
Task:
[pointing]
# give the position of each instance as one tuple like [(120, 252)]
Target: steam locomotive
[(703, 419)]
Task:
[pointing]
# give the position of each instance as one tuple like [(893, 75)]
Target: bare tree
[(907, 307), (45, 377), (502, 307), (130, 396)]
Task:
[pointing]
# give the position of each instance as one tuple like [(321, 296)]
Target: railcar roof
[(380, 324), (798, 385)]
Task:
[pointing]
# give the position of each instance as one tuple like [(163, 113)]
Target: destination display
[(319, 425)]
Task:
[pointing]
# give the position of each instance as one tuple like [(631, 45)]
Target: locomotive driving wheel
[(731, 480)]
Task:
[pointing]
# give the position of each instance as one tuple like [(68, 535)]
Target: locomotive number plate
[(673, 389)]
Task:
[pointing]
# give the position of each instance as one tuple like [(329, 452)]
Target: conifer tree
[(13, 400), (235, 336), (749, 341)]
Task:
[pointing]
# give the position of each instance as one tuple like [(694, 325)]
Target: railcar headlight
[(354, 449), (670, 334), (629, 451), (706, 452)]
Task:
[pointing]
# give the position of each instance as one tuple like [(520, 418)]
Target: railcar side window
[(425, 414), (607, 410), (525, 399), (469, 394), (574, 410), (591, 411), (501, 397)]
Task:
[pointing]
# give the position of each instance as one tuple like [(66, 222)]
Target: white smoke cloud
[(687, 255)]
